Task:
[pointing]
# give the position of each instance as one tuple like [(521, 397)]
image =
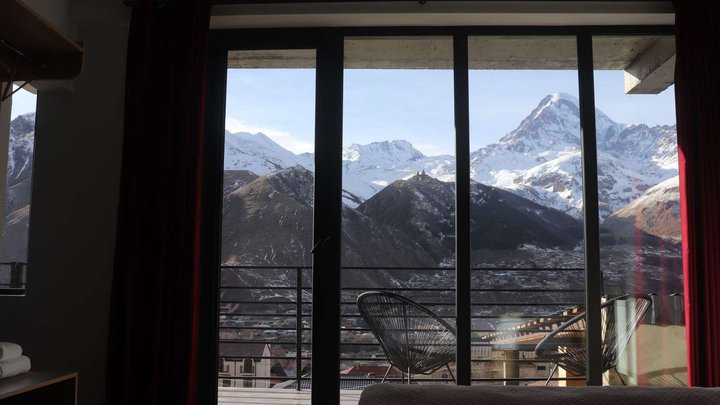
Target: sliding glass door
[(398, 207), (526, 211), (267, 223), (639, 200), (465, 170)]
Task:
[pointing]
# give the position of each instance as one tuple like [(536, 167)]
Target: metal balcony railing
[(12, 278), (262, 305)]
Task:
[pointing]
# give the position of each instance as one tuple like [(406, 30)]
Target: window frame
[(18, 269), (328, 43)]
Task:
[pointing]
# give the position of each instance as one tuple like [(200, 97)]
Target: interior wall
[(62, 322)]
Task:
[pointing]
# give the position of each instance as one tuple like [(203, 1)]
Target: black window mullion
[(463, 309), (327, 222), (593, 277), (211, 221)]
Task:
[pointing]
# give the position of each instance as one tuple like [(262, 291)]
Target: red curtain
[(697, 92), (153, 344)]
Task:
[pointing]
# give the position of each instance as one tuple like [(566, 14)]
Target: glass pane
[(640, 207), (17, 190), (399, 209), (526, 210), (265, 295)]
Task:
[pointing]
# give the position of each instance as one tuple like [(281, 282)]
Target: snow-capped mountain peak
[(259, 154), (656, 212), (539, 160), (367, 169), (558, 101), (22, 125), (555, 123), (21, 146), (385, 152)]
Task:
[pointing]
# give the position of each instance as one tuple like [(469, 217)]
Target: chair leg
[(386, 374), (451, 374), (622, 380), (552, 373)]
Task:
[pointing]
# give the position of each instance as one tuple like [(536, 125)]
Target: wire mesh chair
[(414, 339), (565, 346)]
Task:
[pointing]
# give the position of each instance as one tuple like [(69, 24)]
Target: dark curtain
[(697, 92), (153, 343)]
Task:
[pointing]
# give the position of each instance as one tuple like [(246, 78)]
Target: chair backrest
[(412, 337), (565, 346)]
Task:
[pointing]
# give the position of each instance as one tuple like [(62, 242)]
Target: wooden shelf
[(39, 388), (32, 49)]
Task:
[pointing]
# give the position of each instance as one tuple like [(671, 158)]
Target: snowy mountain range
[(539, 160), (656, 213), (17, 196), (267, 221), (408, 223), (400, 203)]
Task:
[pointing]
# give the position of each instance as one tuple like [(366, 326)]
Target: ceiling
[(648, 61)]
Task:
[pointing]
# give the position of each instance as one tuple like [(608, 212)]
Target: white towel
[(9, 351), (13, 367)]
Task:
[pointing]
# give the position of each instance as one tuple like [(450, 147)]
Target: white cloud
[(282, 138)]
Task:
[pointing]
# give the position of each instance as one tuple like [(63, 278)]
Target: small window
[(17, 144), (248, 366)]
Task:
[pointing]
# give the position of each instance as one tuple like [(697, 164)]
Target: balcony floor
[(269, 396)]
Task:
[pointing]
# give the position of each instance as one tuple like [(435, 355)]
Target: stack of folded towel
[(12, 362)]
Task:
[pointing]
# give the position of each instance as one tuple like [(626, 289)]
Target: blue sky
[(414, 105), (23, 102), (417, 105)]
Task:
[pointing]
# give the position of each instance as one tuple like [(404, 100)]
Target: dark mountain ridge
[(409, 223)]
